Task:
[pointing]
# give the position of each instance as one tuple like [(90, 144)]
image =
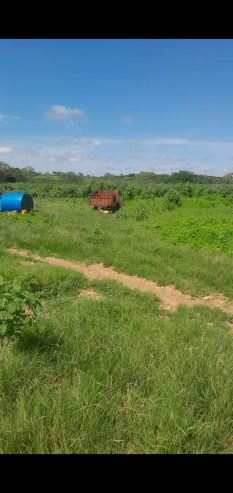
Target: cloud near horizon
[(61, 112), (96, 155), (4, 150), (89, 141), (75, 159)]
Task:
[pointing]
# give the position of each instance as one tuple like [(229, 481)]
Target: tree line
[(9, 174)]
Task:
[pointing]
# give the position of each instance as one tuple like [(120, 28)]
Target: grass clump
[(117, 375)]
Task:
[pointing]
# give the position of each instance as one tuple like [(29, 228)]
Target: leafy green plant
[(18, 308), (172, 199)]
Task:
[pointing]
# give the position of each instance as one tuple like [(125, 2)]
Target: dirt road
[(169, 296)]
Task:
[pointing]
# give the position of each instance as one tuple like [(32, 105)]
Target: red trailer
[(108, 200)]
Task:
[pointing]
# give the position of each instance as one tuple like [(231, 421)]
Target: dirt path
[(169, 296)]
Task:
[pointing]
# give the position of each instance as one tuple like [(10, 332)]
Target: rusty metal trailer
[(108, 200)]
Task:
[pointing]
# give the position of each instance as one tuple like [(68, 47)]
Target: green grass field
[(203, 223), (118, 374)]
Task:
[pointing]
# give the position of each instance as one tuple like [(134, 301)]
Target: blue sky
[(120, 106)]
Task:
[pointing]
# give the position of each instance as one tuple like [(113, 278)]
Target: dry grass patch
[(90, 293)]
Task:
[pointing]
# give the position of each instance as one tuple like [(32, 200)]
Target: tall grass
[(116, 375)]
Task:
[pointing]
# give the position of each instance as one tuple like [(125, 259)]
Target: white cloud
[(126, 119), (89, 141), (187, 142), (9, 117), (96, 155), (60, 112), (167, 141), (75, 159), (3, 150)]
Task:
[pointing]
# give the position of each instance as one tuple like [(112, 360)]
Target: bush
[(18, 308), (128, 194), (186, 189), (172, 199)]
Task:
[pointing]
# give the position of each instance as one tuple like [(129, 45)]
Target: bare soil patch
[(229, 442), (28, 312), (169, 296), (89, 293)]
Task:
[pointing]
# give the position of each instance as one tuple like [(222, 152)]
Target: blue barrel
[(16, 201)]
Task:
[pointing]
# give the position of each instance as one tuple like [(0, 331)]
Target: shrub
[(18, 308), (186, 189), (172, 199), (127, 194)]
